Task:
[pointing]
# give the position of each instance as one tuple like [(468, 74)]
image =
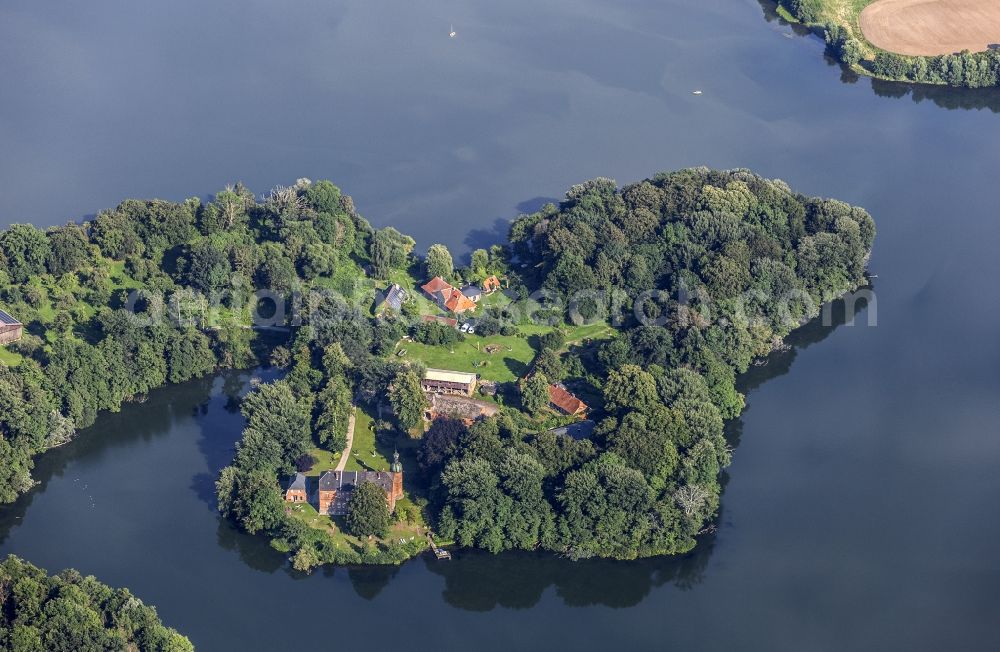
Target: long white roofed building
[(441, 381)]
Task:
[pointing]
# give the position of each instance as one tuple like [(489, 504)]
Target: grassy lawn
[(120, 280), (9, 358), (333, 526), (366, 454), (596, 331), (325, 461), (509, 363)]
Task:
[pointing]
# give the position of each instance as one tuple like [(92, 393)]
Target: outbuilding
[(11, 330), (441, 381)]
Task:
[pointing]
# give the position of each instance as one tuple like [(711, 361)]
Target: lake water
[(859, 512)]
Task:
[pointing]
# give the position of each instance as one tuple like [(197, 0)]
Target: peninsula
[(949, 42)]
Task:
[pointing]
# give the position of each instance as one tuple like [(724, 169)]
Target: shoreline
[(838, 23)]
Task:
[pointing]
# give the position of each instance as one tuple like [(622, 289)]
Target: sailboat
[(452, 32)]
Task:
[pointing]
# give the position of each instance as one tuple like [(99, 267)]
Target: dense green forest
[(89, 345), (71, 613), (695, 273), (837, 20), (741, 261), (731, 262)]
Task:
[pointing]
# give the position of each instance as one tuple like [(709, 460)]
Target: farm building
[(458, 303), (563, 400), (451, 322), (391, 299), (434, 287), (472, 293), (447, 296), (11, 330), (440, 381)]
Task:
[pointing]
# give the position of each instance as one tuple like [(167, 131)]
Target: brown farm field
[(932, 27)]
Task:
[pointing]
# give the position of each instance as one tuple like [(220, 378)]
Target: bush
[(436, 334), (553, 340)]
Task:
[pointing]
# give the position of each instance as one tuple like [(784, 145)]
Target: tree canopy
[(367, 511), (68, 612)]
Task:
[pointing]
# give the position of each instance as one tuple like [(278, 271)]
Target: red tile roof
[(447, 321), (457, 302), (565, 401), (491, 284), (435, 285)]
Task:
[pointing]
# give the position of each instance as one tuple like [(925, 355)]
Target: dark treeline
[(85, 351), (71, 613)]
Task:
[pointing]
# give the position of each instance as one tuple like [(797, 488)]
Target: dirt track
[(931, 27)]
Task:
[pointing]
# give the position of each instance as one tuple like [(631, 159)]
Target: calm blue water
[(859, 510)]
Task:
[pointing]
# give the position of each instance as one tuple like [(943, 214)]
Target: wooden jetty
[(440, 553)]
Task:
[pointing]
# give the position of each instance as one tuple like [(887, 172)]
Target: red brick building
[(337, 487)]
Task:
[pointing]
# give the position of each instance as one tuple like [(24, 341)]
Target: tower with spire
[(397, 478)]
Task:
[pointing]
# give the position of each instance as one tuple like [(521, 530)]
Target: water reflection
[(160, 413), (368, 581), (942, 96), (480, 581), (254, 551)]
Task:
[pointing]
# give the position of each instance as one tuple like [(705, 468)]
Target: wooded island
[(564, 391)]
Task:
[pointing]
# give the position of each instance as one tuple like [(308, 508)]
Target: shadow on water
[(254, 551), (216, 415), (497, 232), (780, 362), (368, 581), (160, 413), (480, 581), (942, 96), (484, 238), (945, 97)]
